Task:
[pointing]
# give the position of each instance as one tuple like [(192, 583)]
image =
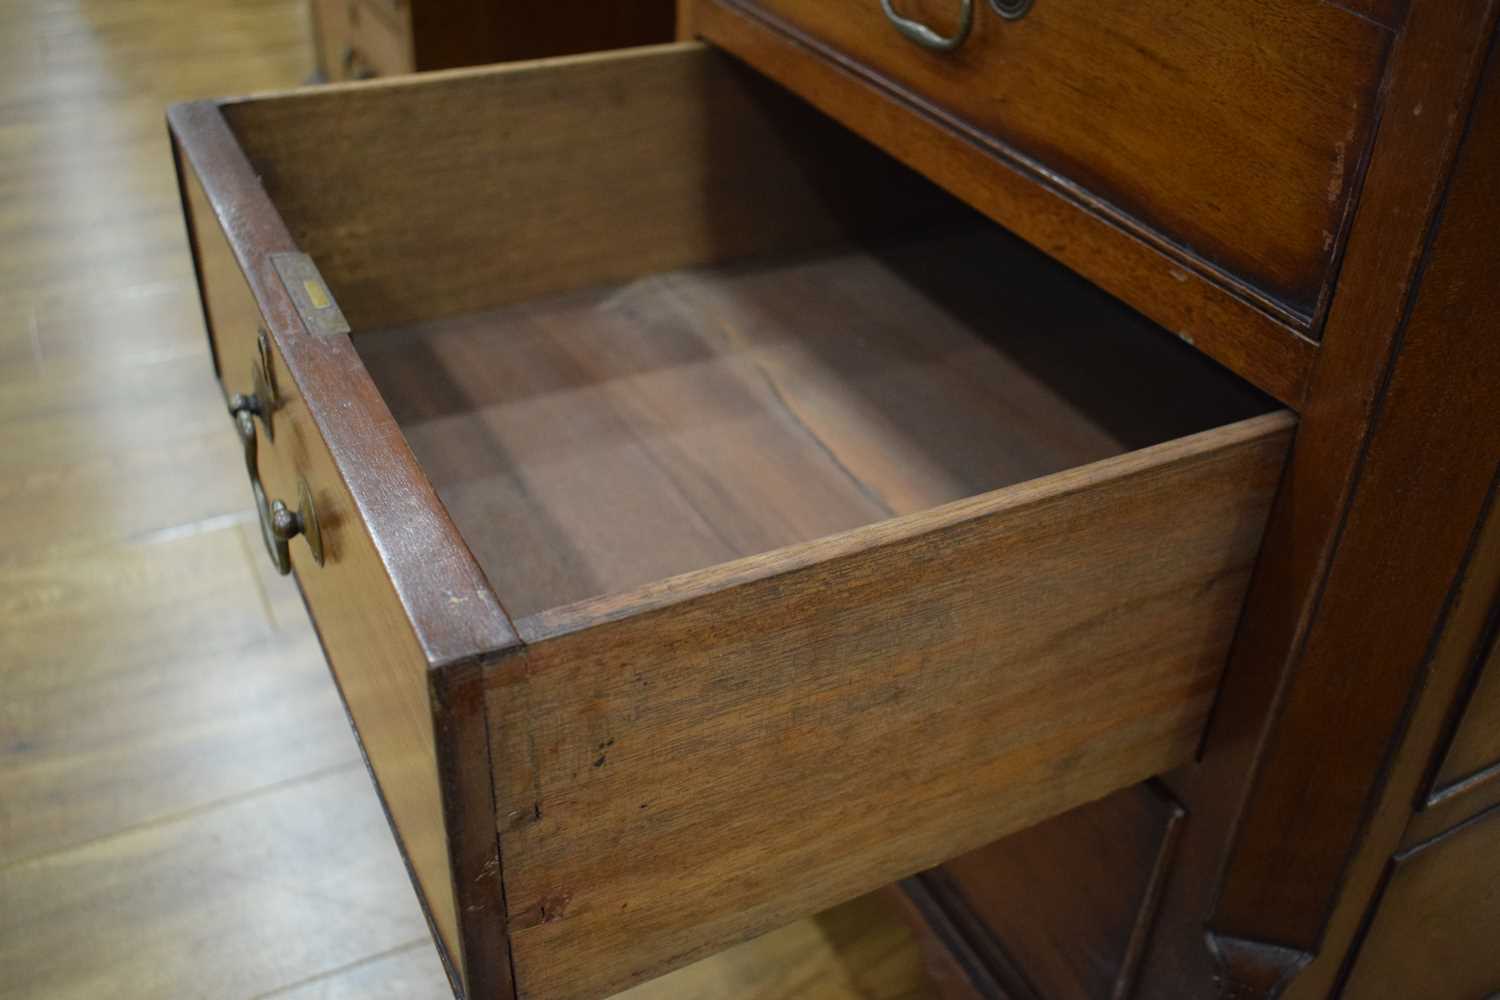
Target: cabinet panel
[(1434, 932)]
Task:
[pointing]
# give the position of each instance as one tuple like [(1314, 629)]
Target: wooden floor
[(183, 811)]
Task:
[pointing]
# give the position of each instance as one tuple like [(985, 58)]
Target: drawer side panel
[(694, 764)]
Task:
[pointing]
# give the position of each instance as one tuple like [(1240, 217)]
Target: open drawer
[(714, 520)]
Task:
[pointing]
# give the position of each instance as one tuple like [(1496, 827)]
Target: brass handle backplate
[(279, 524), (925, 36)]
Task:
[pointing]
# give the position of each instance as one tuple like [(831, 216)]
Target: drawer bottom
[(593, 442)]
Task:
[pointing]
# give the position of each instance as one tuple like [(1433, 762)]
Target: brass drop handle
[(279, 524), (925, 36)]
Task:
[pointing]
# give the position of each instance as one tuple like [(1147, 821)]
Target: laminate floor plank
[(858, 950), (410, 972), (147, 680), (92, 455), (231, 902), (96, 334)]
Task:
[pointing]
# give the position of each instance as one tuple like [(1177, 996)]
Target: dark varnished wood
[(1434, 932), (1392, 826), (987, 594), (1388, 13), (1374, 585), (1232, 134), (1416, 500), (1388, 239), (1460, 779), (1473, 758), (1224, 325), (358, 39)]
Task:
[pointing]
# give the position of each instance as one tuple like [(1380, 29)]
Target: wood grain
[(1227, 327), (385, 603), (595, 442), (155, 692), (1385, 596), (521, 180), (1017, 678), (164, 698), (1434, 932), (398, 599), (1434, 66), (1446, 795), (1238, 143)]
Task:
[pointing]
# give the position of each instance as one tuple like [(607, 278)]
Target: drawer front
[(1233, 132), (360, 39), (397, 652)]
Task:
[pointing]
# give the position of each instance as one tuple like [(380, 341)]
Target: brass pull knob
[(925, 36), (278, 523)]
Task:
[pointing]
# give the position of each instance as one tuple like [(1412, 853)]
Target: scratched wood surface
[(183, 810), (380, 648), (689, 764)]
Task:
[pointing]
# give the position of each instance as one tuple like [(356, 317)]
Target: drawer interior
[(588, 443), (707, 325)]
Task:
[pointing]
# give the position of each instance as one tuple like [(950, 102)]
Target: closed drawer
[(719, 521), (1473, 756), (359, 39), (1229, 135), (1467, 779), (1432, 932)]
